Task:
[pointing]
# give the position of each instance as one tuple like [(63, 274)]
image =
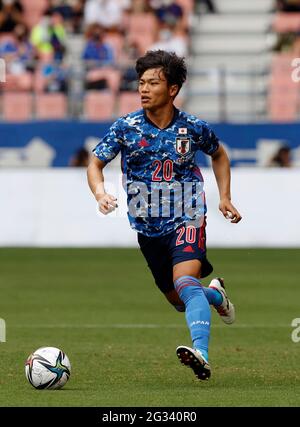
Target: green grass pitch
[(102, 308)]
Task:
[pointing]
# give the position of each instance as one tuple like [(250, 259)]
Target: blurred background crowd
[(70, 47), (75, 59)]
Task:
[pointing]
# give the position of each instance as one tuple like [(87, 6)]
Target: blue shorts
[(163, 252)]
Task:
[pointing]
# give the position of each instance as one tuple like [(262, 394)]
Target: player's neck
[(161, 117)]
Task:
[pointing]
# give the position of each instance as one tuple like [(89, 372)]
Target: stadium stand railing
[(231, 53), (284, 93)]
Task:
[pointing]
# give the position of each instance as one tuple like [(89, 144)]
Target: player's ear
[(173, 90)]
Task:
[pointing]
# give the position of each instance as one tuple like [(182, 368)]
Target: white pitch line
[(141, 326)]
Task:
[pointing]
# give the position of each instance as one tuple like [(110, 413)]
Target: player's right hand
[(107, 203)]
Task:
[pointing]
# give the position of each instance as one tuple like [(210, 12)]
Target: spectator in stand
[(168, 11), (95, 49), (58, 35), (282, 158), (140, 6), (10, 15), (170, 40), (288, 5), (64, 8), (296, 45), (54, 77), (77, 15), (286, 42), (170, 18), (130, 53), (171, 36), (49, 36), (71, 12), (97, 54), (18, 54), (107, 13), (24, 49), (18, 46), (81, 158)]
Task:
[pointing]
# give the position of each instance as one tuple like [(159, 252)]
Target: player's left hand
[(229, 211)]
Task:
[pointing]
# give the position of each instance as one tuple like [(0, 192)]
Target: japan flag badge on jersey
[(182, 131)]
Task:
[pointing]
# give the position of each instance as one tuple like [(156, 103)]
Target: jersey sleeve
[(207, 139), (110, 145)]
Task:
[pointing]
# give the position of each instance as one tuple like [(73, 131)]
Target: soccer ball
[(48, 368)]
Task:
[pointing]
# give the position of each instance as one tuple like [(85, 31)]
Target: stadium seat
[(16, 106), (239, 7), (286, 22), (231, 62), (283, 98), (139, 23), (281, 62), (18, 82), (51, 106), (237, 107), (142, 30), (282, 110), (282, 82), (128, 102), (99, 105), (111, 75), (143, 41), (116, 41), (231, 44), (215, 23), (113, 79)]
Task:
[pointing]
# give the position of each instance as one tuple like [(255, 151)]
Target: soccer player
[(160, 147)]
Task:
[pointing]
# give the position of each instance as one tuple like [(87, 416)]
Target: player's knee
[(191, 268)]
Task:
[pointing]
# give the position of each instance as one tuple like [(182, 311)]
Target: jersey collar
[(175, 117)]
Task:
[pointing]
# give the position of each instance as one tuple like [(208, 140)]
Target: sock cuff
[(185, 281)]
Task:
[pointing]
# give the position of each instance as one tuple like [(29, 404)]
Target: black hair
[(173, 66)]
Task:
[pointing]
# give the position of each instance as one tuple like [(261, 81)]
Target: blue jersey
[(163, 180)]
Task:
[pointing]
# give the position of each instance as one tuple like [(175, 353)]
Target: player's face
[(154, 89)]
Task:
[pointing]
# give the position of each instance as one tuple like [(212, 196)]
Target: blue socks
[(213, 296), (197, 310)]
